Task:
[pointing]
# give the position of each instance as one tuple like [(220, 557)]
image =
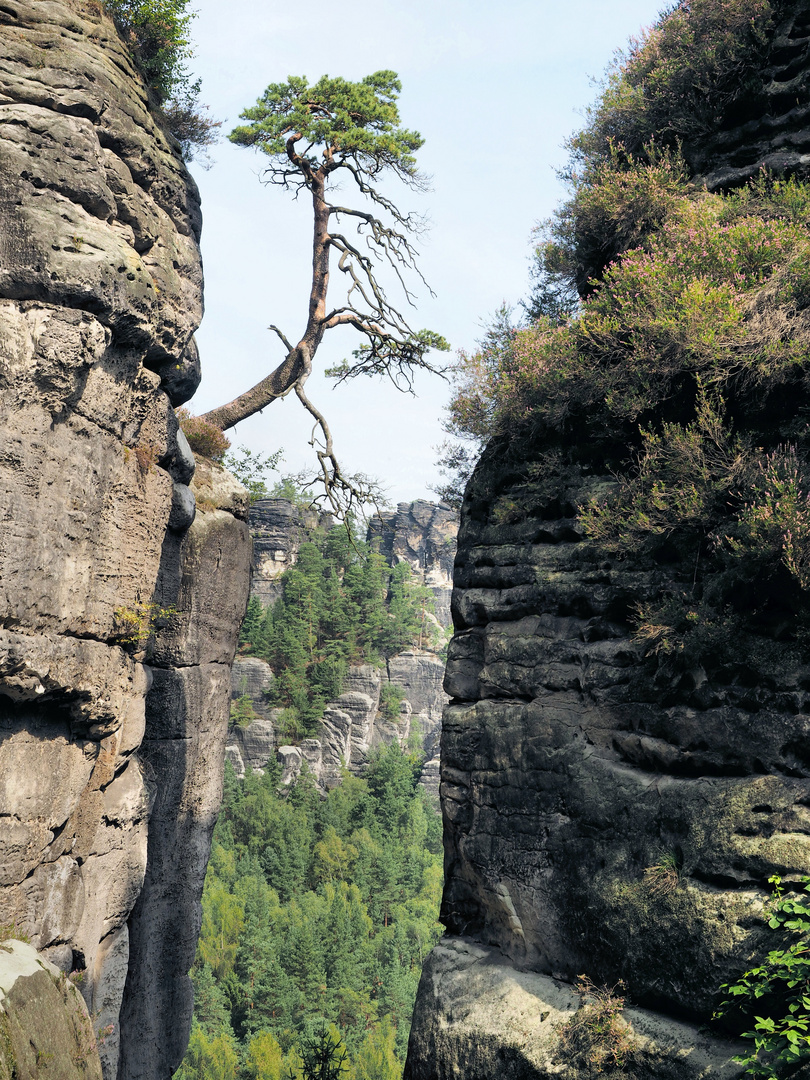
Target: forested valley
[(318, 911)]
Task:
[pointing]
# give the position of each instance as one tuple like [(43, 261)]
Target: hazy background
[(494, 94)]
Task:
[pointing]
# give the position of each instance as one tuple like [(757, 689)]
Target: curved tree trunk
[(298, 362)]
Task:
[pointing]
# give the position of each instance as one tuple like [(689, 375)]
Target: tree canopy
[(313, 136), (317, 917)]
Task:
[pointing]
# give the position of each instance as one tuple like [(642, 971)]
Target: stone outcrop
[(45, 1029), (770, 128), (278, 527), (593, 823), (119, 608), (422, 534), (204, 578), (478, 1016)]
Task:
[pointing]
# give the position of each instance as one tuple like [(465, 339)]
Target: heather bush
[(204, 439), (680, 79)]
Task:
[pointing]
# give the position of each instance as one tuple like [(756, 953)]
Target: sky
[(494, 91)]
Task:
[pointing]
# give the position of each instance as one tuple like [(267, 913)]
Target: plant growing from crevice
[(316, 137), (597, 1037), (204, 438), (664, 876), (135, 624), (391, 697), (775, 994)]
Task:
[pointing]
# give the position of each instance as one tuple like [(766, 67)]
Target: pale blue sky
[(493, 92)]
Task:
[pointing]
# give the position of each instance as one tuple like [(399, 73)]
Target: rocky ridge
[(116, 639), (419, 533)]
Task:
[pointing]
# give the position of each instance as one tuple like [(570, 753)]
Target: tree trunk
[(298, 361)]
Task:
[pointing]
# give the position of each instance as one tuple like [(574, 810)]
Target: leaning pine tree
[(315, 136)]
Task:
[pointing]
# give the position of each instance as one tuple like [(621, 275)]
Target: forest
[(317, 916), (318, 912), (341, 604)]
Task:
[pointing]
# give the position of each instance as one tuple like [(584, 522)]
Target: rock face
[(771, 129), (478, 1016), (44, 1025), (594, 822), (422, 534), (278, 528), (552, 720), (106, 586), (601, 817)]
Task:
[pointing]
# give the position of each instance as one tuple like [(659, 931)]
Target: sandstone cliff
[(119, 607), (603, 815)]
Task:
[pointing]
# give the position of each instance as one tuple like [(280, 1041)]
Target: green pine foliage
[(317, 917), (341, 604)]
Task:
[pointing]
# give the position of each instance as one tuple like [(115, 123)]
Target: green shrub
[(597, 1038), (779, 988), (680, 79), (251, 470), (391, 697), (242, 712), (203, 438), (157, 33)]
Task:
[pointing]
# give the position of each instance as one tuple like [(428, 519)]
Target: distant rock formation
[(421, 533), (278, 527), (119, 602)]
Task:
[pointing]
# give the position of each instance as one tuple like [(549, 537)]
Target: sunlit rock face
[(43, 1020), (100, 294)]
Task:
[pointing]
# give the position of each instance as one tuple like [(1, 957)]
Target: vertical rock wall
[(100, 293), (600, 818)]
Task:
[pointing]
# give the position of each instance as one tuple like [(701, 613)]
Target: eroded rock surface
[(278, 528), (44, 1025), (422, 534), (478, 1017), (100, 294), (606, 813)]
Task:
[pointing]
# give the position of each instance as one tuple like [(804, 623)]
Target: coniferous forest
[(319, 911)]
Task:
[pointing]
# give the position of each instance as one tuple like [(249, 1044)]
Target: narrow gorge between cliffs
[(515, 790)]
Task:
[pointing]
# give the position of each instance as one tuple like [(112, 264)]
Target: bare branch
[(395, 357), (284, 341), (342, 493)]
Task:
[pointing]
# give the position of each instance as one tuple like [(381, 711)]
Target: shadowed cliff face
[(100, 293), (605, 813)]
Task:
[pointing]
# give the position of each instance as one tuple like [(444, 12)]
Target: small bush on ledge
[(156, 32), (204, 439)]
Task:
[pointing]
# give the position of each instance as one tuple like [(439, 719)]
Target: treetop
[(341, 124)]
